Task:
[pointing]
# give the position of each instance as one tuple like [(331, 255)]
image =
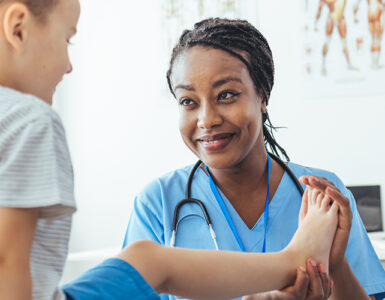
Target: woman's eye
[(227, 95), (186, 102)]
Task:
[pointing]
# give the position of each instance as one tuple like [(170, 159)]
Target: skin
[(34, 59), (17, 228), (34, 52), (216, 95)]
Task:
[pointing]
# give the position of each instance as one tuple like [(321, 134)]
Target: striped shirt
[(36, 171)]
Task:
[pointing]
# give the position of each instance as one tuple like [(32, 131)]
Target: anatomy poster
[(343, 48)]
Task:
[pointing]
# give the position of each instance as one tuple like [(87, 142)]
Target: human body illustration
[(376, 28), (335, 18)]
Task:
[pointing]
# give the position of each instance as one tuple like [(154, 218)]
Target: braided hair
[(235, 36)]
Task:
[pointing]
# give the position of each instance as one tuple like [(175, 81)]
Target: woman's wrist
[(338, 270), (346, 284)]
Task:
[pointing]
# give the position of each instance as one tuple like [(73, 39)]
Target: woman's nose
[(209, 117)]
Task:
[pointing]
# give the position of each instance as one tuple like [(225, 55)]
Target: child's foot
[(317, 226)]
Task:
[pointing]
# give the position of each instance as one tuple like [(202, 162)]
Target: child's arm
[(17, 228), (211, 274)]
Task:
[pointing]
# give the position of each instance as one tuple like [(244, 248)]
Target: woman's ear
[(15, 21), (263, 106)]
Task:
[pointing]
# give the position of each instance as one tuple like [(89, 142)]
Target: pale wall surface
[(122, 125)]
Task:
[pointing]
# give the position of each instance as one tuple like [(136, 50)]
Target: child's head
[(34, 36)]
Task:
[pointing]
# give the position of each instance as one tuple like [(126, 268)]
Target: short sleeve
[(360, 253), (35, 166), (144, 224), (146, 220)]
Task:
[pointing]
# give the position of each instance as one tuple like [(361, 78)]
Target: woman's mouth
[(216, 142)]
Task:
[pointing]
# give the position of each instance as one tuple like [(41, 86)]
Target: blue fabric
[(380, 296), (225, 211), (153, 210), (114, 279)]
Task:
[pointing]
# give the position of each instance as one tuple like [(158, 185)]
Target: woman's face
[(220, 111)]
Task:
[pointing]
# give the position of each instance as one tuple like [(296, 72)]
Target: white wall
[(122, 124)]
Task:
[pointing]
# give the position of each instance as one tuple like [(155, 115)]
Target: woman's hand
[(313, 284), (337, 253)]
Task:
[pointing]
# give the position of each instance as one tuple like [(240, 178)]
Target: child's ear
[(15, 22)]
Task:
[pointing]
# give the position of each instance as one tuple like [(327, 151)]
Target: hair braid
[(235, 36)]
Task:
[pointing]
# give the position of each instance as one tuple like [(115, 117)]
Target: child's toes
[(312, 197), (319, 198), (334, 208), (325, 202)]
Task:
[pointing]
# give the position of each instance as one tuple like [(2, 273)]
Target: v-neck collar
[(274, 205)]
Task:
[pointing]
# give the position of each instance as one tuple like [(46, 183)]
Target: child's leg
[(213, 274), (317, 216), (208, 274)]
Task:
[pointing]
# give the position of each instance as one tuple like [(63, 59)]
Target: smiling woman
[(220, 111), (221, 74)]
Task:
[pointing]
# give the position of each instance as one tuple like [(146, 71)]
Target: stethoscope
[(220, 201)]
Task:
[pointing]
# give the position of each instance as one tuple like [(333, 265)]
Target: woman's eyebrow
[(225, 80), (185, 87), (214, 85)]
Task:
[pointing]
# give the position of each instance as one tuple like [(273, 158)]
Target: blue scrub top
[(152, 215)]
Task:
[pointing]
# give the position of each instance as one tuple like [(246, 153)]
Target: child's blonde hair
[(38, 8)]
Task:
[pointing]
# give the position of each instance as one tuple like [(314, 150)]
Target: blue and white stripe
[(36, 171)]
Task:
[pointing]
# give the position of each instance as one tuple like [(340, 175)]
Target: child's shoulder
[(19, 109)]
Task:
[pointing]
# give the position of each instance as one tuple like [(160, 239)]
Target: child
[(36, 179), (36, 190)]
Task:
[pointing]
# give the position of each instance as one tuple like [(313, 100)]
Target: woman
[(221, 74)]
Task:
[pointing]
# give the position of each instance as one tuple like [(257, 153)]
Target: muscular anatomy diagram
[(335, 18), (376, 27)]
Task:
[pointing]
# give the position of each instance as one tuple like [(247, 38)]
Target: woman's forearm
[(346, 284)]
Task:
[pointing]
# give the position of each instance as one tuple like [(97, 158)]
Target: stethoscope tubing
[(188, 199)]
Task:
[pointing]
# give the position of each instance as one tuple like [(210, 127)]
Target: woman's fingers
[(320, 183), (326, 284), (316, 288)]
